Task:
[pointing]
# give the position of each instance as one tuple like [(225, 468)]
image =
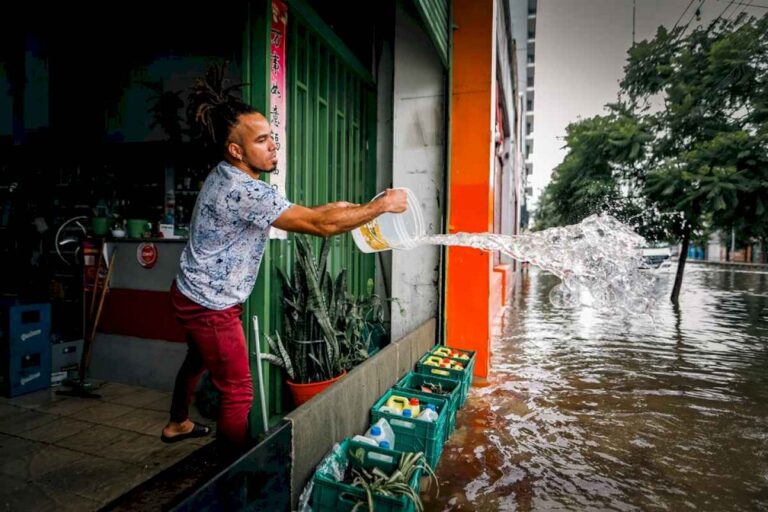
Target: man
[(228, 234)]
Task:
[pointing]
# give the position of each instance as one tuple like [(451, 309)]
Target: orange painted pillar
[(469, 271)]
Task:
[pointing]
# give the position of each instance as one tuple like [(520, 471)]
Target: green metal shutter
[(435, 16), (331, 152), (331, 136)]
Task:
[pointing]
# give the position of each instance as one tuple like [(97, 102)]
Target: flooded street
[(588, 412)]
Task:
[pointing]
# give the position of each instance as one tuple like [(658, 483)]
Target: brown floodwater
[(584, 411)]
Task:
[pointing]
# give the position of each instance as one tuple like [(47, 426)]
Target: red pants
[(215, 342)]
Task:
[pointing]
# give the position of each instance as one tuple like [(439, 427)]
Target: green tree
[(603, 171), (700, 99)]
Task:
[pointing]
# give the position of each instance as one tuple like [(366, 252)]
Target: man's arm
[(335, 218), (328, 206)]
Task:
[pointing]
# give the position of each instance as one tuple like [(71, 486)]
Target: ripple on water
[(584, 411)]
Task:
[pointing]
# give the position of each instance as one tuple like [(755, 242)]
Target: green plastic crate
[(469, 353), (329, 495), (413, 434), (465, 375), (413, 381)]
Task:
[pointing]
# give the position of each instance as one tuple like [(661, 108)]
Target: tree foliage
[(685, 150)]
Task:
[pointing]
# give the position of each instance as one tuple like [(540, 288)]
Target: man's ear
[(234, 150)]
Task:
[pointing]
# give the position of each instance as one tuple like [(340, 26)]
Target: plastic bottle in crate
[(442, 351), (428, 414), (460, 355), (381, 431), (390, 410), (402, 403), (363, 439), (414, 406)]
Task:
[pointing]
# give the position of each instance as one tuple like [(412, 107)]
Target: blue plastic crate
[(25, 349)]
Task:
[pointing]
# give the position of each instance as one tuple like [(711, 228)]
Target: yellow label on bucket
[(373, 236)]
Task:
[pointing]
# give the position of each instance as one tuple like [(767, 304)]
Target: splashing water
[(598, 261)]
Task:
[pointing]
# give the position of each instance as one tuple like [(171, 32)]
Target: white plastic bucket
[(392, 230)]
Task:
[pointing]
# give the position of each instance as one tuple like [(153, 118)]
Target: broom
[(79, 387)]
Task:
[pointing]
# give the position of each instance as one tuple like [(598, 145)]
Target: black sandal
[(197, 431)]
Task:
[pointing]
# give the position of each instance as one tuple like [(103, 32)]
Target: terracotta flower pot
[(303, 392)]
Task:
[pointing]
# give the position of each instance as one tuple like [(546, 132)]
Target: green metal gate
[(436, 16), (331, 151), (331, 123)]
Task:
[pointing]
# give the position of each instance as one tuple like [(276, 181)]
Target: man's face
[(254, 136)]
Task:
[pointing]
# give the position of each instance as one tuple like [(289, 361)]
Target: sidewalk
[(62, 453), (736, 264)]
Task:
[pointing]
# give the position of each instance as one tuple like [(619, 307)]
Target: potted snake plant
[(313, 350)]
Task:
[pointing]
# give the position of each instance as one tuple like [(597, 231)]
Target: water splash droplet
[(599, 261)]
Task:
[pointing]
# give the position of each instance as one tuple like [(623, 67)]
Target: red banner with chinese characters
[(277, 103)]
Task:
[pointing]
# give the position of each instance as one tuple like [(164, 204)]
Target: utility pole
[(634, 9)]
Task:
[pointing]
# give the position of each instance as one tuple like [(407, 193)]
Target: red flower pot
[(303, 392)]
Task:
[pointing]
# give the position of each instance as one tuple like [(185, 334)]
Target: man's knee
[(239, 391)]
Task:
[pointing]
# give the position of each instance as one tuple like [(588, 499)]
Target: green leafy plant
[(363, 324), (326, 330), (696, 164), (164, 109), (210, 92), (435, 388), (377, 482), (312, 304)]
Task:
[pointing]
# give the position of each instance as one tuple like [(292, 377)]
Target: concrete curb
[(344, 409)]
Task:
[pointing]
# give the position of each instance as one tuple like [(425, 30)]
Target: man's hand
[(394, 200), (339, 217)]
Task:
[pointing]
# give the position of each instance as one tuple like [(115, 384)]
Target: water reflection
[(585, 411)]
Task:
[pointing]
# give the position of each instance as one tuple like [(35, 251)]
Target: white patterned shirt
[(227, 237)]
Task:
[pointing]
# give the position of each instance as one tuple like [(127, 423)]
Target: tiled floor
[(62, 453)]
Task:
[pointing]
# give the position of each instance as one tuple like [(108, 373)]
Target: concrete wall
[(518, 15), (510, 208), (384, 68), (130, 275), (418, 163), (141, 361), (714, 248), (136, 361), (343, 410)]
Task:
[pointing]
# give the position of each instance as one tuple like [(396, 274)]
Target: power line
[(743, 10), (683, 13), (696, 14), (750, 4), (726, 8)]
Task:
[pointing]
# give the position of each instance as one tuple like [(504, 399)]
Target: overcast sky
[(581, 47)]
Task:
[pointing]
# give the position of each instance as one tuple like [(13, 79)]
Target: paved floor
[(63, 453)]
